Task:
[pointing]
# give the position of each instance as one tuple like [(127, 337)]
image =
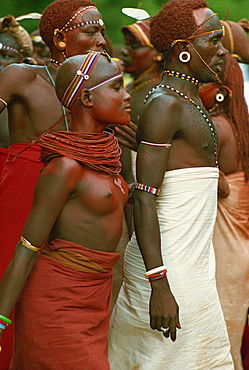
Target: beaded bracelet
[(147, 188), (5, 320), (28, 245), (155, 270), (157, 276)]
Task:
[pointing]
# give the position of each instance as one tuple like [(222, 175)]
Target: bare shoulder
[(161, 116)]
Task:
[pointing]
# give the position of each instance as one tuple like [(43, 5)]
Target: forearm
[(15, 278), (147, 229)]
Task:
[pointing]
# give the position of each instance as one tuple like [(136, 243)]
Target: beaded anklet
[(182, 76), (147, 188), (28, 245)]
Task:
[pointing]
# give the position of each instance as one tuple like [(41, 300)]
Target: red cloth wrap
[(3, 157), (62, 317), (17, 186)]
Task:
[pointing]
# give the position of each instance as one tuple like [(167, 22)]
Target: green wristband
[(5, 319)]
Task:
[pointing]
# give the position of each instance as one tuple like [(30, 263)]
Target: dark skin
[(28, 89), (72, 201), (176, 121), (7, 57)]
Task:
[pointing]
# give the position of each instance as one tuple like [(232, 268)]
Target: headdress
[(82, 75), (141, 31), (9, 25)]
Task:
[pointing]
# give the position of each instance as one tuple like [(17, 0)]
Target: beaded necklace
[(142, 84), (207, 119), (182, 76), (55, 62)]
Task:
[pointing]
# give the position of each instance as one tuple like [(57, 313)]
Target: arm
[(223, 186), (52, 191), (151, 167)]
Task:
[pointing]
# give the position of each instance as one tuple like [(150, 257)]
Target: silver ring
[(164, 330)]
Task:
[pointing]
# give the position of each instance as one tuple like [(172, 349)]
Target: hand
[(164, 311), (128, 135)]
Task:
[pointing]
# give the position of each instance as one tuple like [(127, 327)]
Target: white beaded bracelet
[(155, 270)]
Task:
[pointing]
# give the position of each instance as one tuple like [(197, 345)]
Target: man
[(62, 314), (68, 28), (15, 45), (143, 62), (178, 154), (227, 106)]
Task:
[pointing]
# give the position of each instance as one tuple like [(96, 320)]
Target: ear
[(59, 40), (86, 98)]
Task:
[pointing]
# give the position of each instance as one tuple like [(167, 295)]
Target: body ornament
[(208, 120), (75, 15), (147, 188), (4, 102), (182, 76), (8, 48), (79, 80), (6, 320), (28, 245), (166, 145)]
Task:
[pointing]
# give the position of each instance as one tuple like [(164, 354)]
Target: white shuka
[(186, 210)]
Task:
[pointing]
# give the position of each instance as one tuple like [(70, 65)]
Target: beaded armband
[(156, 273), (4, 102), (166, 145), (28, 245), (147, 188)]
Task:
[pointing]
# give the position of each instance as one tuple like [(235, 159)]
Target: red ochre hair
[(174, 21), (57, 14), (235, 109)]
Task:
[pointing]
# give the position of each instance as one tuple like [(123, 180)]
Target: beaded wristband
[(157, 276), (166, 145), (5, 319), (28, 245), (147, 188), (155, 270), (2, 326)]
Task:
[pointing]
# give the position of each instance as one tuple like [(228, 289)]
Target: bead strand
[(182, 76), (207, 119)]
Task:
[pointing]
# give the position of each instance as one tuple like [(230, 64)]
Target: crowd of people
[(82, 155)]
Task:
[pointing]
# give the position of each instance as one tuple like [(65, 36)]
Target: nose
[(221, 51), (101, 40), (127, 96)]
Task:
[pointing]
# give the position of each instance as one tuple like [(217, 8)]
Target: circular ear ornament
[(61, 44), (184, 57), (219, 97)]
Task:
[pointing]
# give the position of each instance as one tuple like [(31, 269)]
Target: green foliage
[(111, 11)]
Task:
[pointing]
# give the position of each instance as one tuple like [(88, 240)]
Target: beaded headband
[(200, 34), (105, 81), (76, 14), (8, 48), (82, 75), (137, 29)]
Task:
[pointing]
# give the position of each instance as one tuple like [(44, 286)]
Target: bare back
[(32, 102)]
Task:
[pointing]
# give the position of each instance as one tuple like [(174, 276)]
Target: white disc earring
[(184, 57), (219, 97)]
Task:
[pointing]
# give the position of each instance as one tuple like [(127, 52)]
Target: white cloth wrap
[(186, 211)]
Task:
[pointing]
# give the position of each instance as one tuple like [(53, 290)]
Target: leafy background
[(111, 11)]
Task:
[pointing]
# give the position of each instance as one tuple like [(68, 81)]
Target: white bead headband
[(8, 48), (100, 22), (75, 15)]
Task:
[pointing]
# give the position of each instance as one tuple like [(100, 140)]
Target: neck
[(151, 71)]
